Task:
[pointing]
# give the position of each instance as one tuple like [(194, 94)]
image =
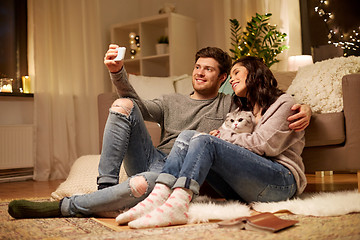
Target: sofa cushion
[(183, 84), (82, 178), (151, 87), (226, 87), (325, 129), (319, 85), (284, 78)]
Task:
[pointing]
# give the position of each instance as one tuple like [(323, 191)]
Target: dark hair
[(219, 55), (260, 83)]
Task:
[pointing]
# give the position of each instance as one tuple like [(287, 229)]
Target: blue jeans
[(233, 171), (127, 140), (114, 198)]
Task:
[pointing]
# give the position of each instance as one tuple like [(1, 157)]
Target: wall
[(16, 110)]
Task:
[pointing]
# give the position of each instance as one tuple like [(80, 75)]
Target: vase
[(162, 48)]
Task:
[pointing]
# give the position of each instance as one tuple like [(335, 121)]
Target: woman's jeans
[(233, 171), (125, 138)]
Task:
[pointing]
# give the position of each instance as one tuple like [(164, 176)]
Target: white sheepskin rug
[(320, 85), (317, 204), (320, 204), (204, 209)]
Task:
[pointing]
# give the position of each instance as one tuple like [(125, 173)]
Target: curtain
[(285, 14), (65, 65)]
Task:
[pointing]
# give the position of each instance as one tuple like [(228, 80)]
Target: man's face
[(205, 78)]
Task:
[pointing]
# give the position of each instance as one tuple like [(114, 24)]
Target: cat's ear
[(251, 116)]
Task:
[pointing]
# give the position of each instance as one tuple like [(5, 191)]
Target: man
[(126, 137)]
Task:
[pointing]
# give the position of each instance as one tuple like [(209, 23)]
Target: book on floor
[(260, 222)]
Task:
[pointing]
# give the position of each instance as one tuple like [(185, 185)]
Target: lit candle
[(26, 86), (6, 85), (6, 88)]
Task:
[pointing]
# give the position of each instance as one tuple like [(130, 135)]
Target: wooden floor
[(28, 189), (33, 189)]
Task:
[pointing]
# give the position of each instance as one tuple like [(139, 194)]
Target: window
[(13, 41)]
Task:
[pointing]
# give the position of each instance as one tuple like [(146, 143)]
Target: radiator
[(16, 152)]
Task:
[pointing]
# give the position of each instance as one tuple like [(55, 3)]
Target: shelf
[(181, 31), (16, 94)]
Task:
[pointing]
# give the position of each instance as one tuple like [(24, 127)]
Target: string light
[(336, 36)]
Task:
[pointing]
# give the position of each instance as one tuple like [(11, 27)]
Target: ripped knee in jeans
[(138, 186), (123, 106)]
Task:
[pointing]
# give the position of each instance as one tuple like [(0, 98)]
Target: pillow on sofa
[(226, 87), (82, 178), (320, 85), (284, 78), (183, 84), (153, 87)]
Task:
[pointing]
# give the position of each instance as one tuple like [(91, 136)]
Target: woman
[(264, 165)]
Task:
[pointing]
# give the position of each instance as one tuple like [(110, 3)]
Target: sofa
[(332, 139)]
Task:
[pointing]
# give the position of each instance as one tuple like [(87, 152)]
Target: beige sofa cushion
[(183, 85), (284, 78), (82, 178), (325, 129), (153, 87)]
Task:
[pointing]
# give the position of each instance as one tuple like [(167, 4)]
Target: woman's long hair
[(260, 83)]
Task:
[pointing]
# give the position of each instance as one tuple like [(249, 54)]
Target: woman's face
[(238, 75)]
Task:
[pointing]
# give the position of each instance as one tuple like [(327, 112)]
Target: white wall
[(16, 110)]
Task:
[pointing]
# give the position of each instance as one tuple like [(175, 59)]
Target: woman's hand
[(301, 119), (214, 132), (113, 66)]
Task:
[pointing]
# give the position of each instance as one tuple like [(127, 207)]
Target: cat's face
[(240, 121)]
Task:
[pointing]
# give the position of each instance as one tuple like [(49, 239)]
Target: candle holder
[(6, 85), (26, 84)]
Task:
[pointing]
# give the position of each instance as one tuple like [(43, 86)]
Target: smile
[(201, 80)]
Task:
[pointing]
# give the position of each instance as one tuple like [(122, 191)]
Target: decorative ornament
[(134, 44)]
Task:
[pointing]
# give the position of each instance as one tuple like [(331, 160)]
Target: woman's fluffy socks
[(173, 212), (156, 198)]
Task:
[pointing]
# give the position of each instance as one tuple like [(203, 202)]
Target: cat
[(237, 122)]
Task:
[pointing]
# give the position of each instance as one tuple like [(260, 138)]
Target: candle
[(6, 88), (6, 85), (26, 86)]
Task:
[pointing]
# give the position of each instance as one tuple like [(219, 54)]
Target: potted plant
[(260, 39), (162, 46)]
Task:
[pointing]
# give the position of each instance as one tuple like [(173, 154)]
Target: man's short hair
[(219, 55)]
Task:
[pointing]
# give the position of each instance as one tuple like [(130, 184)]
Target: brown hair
[(260, 83), (219, 55)]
